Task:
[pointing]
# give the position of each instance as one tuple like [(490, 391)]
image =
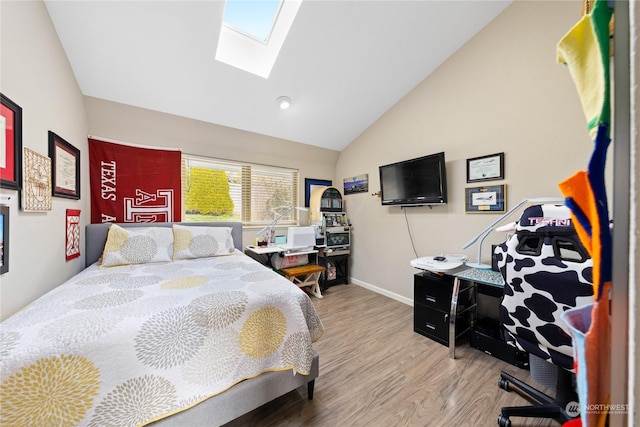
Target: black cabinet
[(337, 270), (486, 336), (432, 305)]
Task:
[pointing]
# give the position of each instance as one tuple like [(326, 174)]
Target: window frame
[(247, 189)]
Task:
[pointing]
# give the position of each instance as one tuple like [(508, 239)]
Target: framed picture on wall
[(311, 184), (485, 199), (485, 168), (4, 239), (356, 184), (73, 234), (10, 144), (65, 168), (36, 191)]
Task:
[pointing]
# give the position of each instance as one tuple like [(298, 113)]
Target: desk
[(473, 276), (305, 276), (257, 252)]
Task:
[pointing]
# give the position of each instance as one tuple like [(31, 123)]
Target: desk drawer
[(431, 323), (433, 291), (435, 323)]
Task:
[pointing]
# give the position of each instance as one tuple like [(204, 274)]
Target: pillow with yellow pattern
[(201, 241), (137, 245)]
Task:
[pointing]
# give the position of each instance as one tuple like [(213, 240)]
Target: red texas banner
[(134, 184)]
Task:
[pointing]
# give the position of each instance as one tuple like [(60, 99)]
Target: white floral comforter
[(123, 346)]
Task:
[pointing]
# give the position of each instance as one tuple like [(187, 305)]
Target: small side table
[(337, 266)]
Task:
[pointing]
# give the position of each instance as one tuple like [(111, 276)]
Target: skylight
[(253, 33), (251, 17)]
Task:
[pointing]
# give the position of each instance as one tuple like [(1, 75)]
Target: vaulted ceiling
[(344, 63)]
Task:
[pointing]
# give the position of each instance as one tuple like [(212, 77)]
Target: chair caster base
[(504, 421)]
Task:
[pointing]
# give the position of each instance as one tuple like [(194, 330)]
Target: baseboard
[(386, 293)]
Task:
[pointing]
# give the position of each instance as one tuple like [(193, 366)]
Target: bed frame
[(242, 397)]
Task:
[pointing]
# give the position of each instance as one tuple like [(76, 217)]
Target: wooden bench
[(306, 276)]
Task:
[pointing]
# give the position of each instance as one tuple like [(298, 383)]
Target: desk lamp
[(269, 228), (484, 233)]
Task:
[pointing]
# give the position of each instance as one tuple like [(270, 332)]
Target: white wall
[(501, 92), (35, 74)]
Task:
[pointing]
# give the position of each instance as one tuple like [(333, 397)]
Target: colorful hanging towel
[(585, 50), (585, 195), (589, 326)]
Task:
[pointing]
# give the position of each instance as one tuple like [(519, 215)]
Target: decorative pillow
[(137, 245), (201, 242)]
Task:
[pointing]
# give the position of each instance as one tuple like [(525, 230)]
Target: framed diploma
[(485, 168), (65, 168)]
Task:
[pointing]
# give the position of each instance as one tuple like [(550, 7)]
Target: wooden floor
[(375, 371)]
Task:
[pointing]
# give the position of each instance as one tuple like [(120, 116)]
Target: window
[(253, 18), (253, 32), (221, 190)]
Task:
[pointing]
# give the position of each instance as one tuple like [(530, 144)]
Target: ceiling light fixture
[(284, 102)]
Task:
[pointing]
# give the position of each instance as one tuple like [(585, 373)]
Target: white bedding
[(124, 346)]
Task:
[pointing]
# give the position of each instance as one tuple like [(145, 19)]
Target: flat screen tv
[(420, 181)]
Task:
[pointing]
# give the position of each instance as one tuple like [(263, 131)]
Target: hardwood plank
[(375, 371)]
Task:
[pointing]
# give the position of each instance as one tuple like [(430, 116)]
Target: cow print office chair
[(546, 272)]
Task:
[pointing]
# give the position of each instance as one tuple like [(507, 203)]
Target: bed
[(190, 340)]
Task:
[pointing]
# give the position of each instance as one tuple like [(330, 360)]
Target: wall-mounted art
[(4, 239), (73, 234), (485, 168), (356, 184), (10, 144), (36, 191), (485, 199), (65, 168), (311, 184)]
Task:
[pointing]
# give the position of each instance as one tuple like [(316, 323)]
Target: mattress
[(132, 344)]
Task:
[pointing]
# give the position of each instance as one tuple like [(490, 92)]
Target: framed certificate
[(485, 168), (65, 167)]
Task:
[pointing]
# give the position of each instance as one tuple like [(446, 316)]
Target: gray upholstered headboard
[(96, 235)]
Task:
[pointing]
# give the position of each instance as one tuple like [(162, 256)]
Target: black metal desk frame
[(474, 276)]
